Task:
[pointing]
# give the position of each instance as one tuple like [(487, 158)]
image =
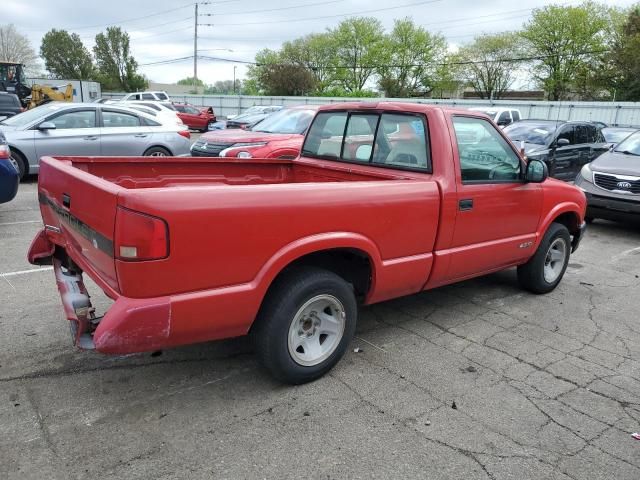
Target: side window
[(119, 119), (568, 132), (78, 119), (161, 96), (148, 96), (150, 123), (401, 141), (325, 135), (592, 134), (516, 115), (358, 141), (192, 111), (582, 134), (485, 156), (504, 118)]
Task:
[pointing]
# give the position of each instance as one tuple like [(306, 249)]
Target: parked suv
[(564, 146), (501, 116), (157, 96), (612, 182), (9, 105)]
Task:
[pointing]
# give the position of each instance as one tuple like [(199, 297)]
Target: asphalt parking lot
[(544, 387)]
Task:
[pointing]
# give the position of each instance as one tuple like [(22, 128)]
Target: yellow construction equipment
[(41, 94)]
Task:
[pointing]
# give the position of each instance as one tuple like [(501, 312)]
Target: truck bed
[(156, 172)]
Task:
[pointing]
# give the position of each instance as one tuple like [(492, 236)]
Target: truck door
[(498, 212)]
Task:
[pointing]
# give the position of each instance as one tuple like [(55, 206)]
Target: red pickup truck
[(386, 199)]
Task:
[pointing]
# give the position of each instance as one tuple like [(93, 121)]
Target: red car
[(196, 118), (386, 199), (280, 135)]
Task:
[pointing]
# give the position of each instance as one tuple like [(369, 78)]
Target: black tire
[(157, 152), (284, 300), (531, 275), (21, 162), (589, 220)]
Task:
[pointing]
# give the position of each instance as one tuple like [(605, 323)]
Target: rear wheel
[(305, 324), (543, 272), (157, 152), (19, 163)]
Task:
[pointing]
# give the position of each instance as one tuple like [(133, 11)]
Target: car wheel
[(305, 324), (19, 163), (589, 220), (543, 272), (210, 126), (157, 152)]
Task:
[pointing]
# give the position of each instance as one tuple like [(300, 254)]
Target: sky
[(164, 29)]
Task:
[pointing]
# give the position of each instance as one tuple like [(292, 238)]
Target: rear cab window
[(382, 139)]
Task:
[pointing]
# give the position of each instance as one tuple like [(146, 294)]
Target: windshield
[(30, 116), (615, 136), (630, 145), (286, 121), (537, 133)]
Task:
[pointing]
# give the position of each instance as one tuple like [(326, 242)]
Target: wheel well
[(353, 265), (23, 157), (569, 220)]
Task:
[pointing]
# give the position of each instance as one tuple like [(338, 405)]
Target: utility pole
[(195, 50)]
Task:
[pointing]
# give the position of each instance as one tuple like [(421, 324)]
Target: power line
[(129, 20), (361, 12), (272, 9)]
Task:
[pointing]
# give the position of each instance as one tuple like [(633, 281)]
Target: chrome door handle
[(91, 137), (140, 135)]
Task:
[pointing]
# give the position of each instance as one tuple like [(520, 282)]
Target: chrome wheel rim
[(554, 260), (316, 330), (158, 154), (14, 162)]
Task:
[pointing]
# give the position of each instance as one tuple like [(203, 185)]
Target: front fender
[(560, 209)]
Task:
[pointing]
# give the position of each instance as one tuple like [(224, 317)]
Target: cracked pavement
[(545, 387)]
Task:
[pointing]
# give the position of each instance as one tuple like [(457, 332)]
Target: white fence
[(611, 113)]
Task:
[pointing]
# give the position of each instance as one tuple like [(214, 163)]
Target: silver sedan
[(89, 129)]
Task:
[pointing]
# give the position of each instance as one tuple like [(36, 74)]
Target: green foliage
[(189, 81), (619, 71), (409, 65), (117, 68), (359, 50), (486, 63), (65, 56), (567, 40)]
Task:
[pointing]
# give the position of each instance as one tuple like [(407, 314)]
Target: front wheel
[(305, 324), (543, 272)]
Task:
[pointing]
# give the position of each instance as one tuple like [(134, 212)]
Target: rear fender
[(317, 243)]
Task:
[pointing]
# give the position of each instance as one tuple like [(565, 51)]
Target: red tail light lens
[(4, 151), (140, 236), (185, 134)]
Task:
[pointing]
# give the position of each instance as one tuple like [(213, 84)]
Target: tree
[(189, 82), (16, 48), (410, 60), (65, 56), (619, 70), (487, 63), (359, 51), (286, 79), (564, 39), (116, 65), (264, 58), (315, 52)]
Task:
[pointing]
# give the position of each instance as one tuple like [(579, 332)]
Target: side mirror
[(537, 171), (563, 142), (47, 126)]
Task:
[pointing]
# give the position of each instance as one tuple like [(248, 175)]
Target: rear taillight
[(4, 151), (140, 236), (185, 134)]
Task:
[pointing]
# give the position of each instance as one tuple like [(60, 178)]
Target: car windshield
[(537, 133), (286, 121), (615, 136), (161, 96), (630, 145), (25, 118)]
